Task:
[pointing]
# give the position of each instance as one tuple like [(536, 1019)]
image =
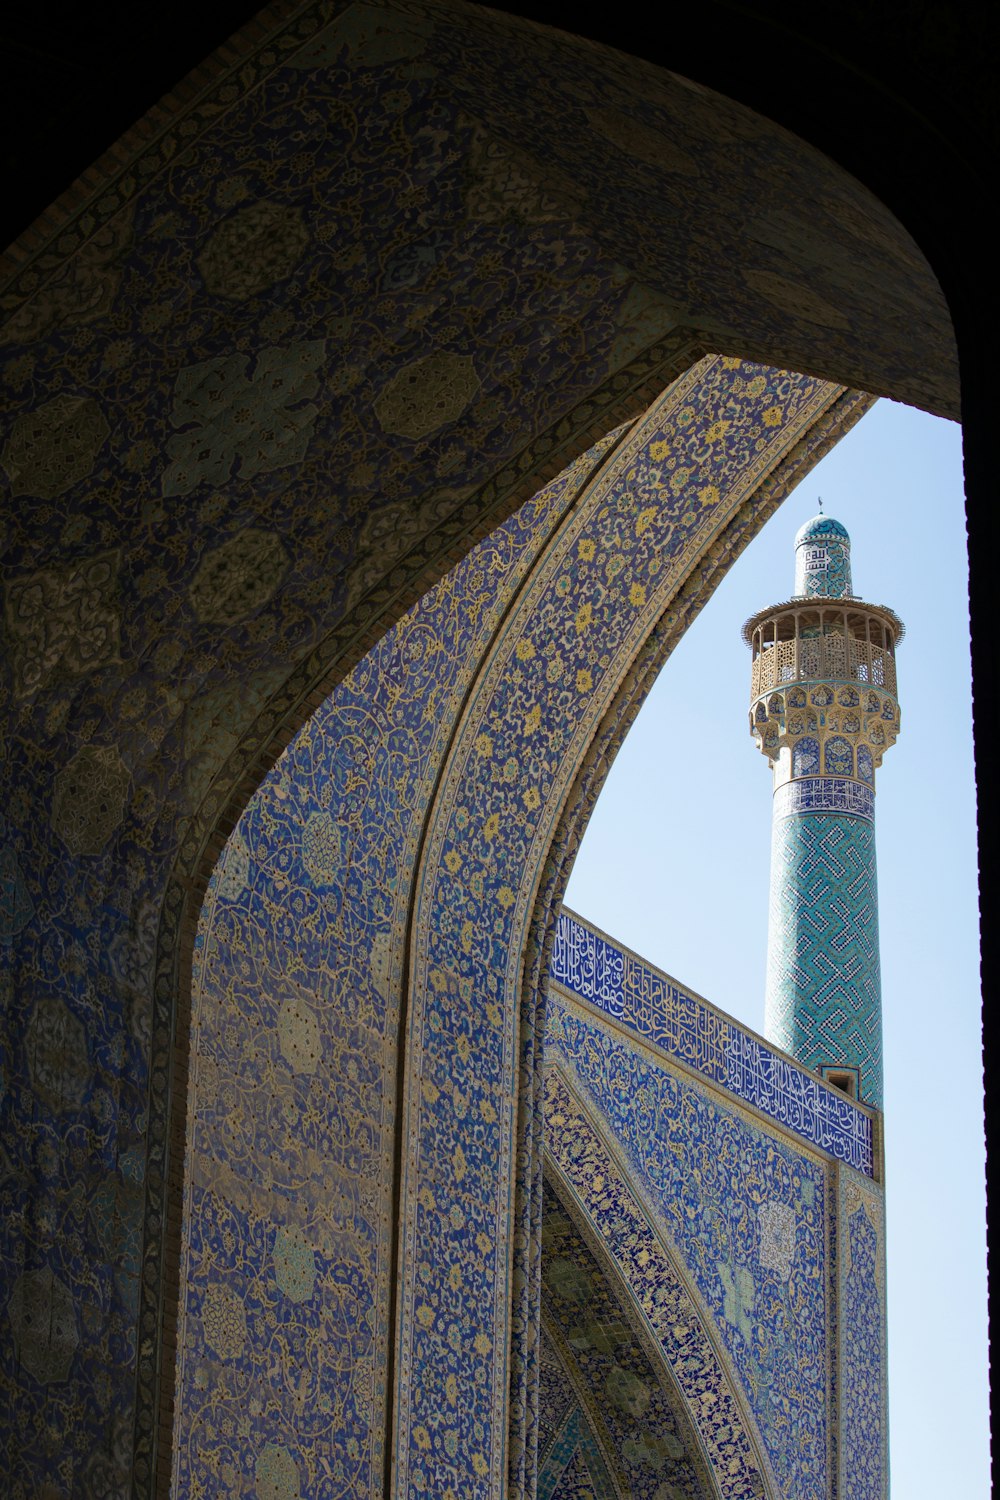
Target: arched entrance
[(227, 487)]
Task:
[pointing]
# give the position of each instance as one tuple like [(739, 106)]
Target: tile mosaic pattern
[(108, 1214), (656, 1008), (644, 1236), (823, 997), (553, 673), (830, 794), (223, 373), (624, 1393), (822, 560), (288, 1219), (863, 1392), (746, 1216)]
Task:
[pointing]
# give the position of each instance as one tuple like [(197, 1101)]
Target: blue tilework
[(824, 794), (574, 1468), (743, 1212), (863, 1391), (609, 580), (291, 1118), (822, 559), (657, 1009), (823, 997), (630, 1398)]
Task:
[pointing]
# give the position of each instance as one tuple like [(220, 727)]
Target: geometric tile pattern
[(687, 1028), (705, 1169), (823, 998), (822, 559)]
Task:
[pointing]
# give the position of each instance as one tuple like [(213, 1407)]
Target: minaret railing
[(815, 658)]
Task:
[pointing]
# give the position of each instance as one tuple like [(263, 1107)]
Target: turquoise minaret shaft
[(824, 711)]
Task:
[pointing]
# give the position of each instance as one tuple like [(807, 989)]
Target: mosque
[(378, 412)]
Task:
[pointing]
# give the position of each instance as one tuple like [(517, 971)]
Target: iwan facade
[(721, 1192)]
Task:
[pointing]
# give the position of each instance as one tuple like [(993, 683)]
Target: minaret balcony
[(842, 641)]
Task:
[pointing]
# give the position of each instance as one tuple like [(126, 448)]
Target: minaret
[(824, 711)]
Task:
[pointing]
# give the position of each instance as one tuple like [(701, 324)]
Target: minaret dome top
[(823, 560)]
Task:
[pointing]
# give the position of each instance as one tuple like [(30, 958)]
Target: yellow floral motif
[(492, 826), (661, 449), (427, 1199), (718, 430), (458, 1163), (488, 1113), (709, 495), (453, 861), (773, 416), (637, 594), (584, 683), (455, 1278), (679, 479), (531, 797), (484, 1242), (506, 897), (422, 1438), (468, 932), (494, 1014), (532, 720), (484, 746), (524, 650), (464, 1048), (586, 549), (584, 615), (480, 1465), (645, 520), (731, 362), (425, 1315), (483, 1345), (756, 386), (430, 1091), (451, 1390)]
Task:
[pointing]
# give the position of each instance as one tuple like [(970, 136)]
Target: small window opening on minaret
[(845, 1079)]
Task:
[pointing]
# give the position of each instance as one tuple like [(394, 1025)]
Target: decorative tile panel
[(288, 1225), (610, 577), (863, 1385), (686, 1027), (637, 1228), (824, 994), (361, 178), (824, 794)]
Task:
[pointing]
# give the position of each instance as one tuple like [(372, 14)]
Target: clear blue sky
[(675, 865)]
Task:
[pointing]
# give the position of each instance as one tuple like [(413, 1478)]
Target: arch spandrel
[(716, 1425), (611, 1368), (748, 1218)]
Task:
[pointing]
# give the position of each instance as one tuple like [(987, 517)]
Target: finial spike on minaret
[(824, 711)]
